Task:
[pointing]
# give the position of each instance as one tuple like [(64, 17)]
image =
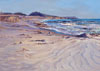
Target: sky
[(78, 8)]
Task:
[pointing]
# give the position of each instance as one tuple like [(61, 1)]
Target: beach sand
[(24, 49)]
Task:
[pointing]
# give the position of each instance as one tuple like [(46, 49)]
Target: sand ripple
[(68, 55)]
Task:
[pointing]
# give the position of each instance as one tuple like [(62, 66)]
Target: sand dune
[(22, 49)]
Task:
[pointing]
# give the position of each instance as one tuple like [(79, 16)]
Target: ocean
[(74, 26)]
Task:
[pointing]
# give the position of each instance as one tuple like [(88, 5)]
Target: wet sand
[(25, 49)]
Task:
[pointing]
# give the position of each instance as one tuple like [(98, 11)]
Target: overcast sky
[(78, 8)]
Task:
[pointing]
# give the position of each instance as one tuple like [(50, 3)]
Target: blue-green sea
[(74, 26)]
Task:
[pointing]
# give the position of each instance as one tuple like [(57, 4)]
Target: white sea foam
[(75, 28)]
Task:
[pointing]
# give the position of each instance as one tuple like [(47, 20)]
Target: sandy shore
[(27, 49)]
